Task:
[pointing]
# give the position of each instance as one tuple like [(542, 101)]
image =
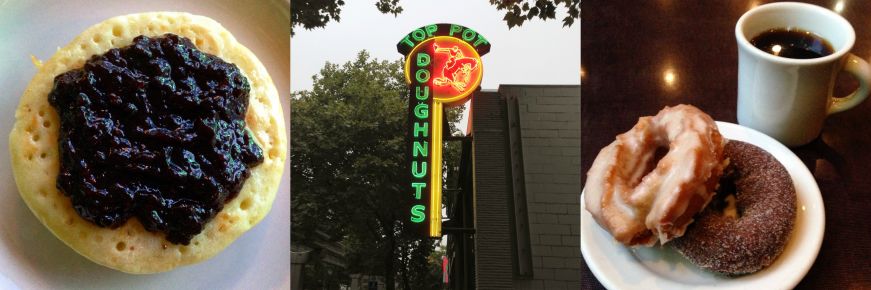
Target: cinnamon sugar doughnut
[(765, 215), (641, 201)]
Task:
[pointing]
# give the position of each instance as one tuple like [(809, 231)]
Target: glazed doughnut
[(751, 238), (641, 201)]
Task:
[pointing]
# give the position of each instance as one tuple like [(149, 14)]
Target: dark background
[(629, 49)]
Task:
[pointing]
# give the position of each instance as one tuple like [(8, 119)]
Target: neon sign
[(442, 68)]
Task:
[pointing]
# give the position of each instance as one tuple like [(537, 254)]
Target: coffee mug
[(787, 98)]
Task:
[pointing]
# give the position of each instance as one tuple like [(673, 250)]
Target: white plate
[(30, 256), (619, 267)]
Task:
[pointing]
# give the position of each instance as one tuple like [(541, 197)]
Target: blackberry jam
[(154, 130)]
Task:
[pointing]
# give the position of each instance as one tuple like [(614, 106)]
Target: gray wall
[(550, 125), (493, 252), (549, 119)]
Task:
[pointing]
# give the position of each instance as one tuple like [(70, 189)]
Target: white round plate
[(619, 267), (30, 256)]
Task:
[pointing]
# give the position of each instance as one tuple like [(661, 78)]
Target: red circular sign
[(456, 68)]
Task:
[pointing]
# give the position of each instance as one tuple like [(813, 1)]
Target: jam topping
[(154, 130)]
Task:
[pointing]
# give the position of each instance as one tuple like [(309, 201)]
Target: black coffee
[(792, 43)]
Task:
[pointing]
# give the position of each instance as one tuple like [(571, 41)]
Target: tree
[(519, 11), (348, 167), (312, 14)]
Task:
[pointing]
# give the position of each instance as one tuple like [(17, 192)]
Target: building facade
[(514, 220)]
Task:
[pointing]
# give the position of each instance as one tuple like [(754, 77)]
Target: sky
[(539, 52)]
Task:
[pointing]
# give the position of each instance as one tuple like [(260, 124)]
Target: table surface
[(639, 57)]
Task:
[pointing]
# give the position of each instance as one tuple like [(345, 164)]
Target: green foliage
[(317, 13), (519, 11), (348, 137), (325, 276), (389, 6), (348, 168), (314, 13), (435, 267)]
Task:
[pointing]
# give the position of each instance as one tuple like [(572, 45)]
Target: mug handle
[(861, 70)]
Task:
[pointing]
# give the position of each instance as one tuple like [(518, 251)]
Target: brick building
[(513, 220)]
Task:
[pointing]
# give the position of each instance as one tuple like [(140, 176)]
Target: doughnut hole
[(725, 200), (660, 152), (651, 164)]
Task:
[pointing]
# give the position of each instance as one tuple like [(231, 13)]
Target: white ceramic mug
[(787, 98)]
